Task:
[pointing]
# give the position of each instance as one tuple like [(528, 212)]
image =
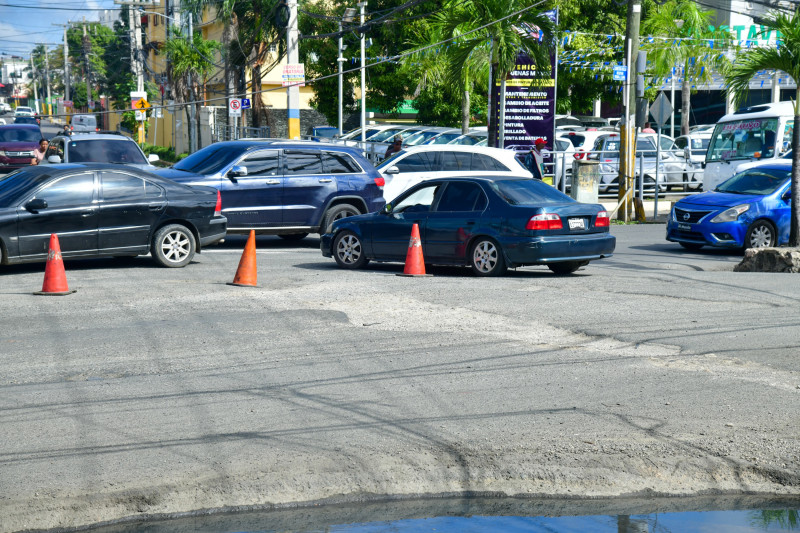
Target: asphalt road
[(153, 391)]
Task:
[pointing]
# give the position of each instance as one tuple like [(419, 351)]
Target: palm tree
[(689, 46), (785, 57), (191, 58), (503, 23)]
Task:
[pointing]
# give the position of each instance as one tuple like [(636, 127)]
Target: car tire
[(486, 258), (338, 212), (692, 245), (760, 234), (348, 250), (173, 246), (566, 267), (294, 236)]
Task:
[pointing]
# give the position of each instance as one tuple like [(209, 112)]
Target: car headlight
[(729, 215), (2, 153)]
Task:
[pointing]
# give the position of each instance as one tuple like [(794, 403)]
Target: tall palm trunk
[(686, 93), (465, 105), (794, 223), (257, 103)]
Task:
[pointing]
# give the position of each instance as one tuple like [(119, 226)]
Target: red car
[(17, 143)]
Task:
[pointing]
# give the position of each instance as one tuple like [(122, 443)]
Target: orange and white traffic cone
[(55, 278), (415, 264), (247, 273)]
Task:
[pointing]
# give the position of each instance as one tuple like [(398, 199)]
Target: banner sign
[(530, 103), (293, 74)]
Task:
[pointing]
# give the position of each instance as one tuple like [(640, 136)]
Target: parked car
[(445, 137), (568, 122), (105, 210), (474, 137), (582, 141), (97, 148), (17, 143), (284, 188), (672, 168), (84, 124), (24, 111), (488, 223), (695, 146), (750, 210), (593, 122), (5, 107), (417, 163), (318, 133)]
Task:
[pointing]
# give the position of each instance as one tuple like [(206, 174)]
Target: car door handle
[(88, 213), (155, 207), (470, 223), (325, 180), (273, 182)]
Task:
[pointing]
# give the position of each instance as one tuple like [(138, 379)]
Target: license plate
[(577, 223), (683, 226)]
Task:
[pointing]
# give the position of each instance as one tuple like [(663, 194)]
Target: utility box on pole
[(585, 181)]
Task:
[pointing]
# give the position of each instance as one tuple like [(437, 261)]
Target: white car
[(418, 163), (582, 141), (5, 107), (695, 146), (24, 111)]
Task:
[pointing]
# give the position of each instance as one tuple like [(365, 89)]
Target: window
[(420, 162), (741, 139), (105, 151), (339, 163), (71, 191), (121, 187), (56, 148), (455, 161), (482, 163), (299, 163), (681, 142), (462, 196), (262, 163), (210, 159), (419, 200)]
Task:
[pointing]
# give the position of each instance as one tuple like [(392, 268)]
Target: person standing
[(534, 161), (394, 147), (38, 153), (647, 128)]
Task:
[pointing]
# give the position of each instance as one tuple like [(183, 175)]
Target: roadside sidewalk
[(664, 208)]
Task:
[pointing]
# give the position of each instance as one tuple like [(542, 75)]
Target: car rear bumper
[(556, 248), (216, 231), (325, 244)]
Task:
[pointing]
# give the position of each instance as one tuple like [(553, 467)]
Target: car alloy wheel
[(487, 258), (173, 246), (348, 250), (760, 235)]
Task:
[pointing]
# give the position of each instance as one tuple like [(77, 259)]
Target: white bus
[(755, 133)]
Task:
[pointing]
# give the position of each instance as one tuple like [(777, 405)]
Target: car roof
[(458, 148), (95, 136), (279, 143), (18, 126)]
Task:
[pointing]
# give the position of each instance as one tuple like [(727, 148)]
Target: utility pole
[(192, 117), (47, 78), (66, 67), (627, 160), (35, 88), (292, 59), (86, 47), (362, 5)]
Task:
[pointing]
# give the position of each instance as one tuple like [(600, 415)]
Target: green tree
[(689, 47), (785, 57), (191, 60), (507, 24)]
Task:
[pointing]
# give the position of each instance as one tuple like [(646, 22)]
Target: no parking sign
[(235, 107)]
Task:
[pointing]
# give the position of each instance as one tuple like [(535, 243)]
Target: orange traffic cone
[(55, 278), (247, 273), (415, 264)]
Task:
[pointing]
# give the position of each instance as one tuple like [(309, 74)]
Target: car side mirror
[(387, 209), (787, 196), (687, 154), (152, 158), (392, 170), (36, 205), (54, 159), (237, 171)]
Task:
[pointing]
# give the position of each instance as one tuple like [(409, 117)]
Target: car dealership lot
[(156, 390)]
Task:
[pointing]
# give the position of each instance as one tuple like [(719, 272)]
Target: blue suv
[(284, 188)]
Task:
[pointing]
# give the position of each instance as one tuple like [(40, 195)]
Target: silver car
[(97, 148)]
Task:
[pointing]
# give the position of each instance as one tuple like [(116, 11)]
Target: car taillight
[(380, 182), (97, 129), (602, 220), (218, 208), (544, 221)]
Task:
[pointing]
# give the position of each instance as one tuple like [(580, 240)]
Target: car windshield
[(105, 151), (25, 120), (389, 161), (210, 159), (385, 134), (529, 192), (445, 138), (19, 135), (420, 137), (17, 183), (761, 181), (699, 146), (741, 139)]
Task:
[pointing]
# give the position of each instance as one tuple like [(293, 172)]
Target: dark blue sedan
[(487, 223), (750, 210)]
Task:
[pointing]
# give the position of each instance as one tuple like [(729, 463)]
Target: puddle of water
[(705, 515)]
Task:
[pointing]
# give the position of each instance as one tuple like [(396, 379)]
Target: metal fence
[(222, 132)]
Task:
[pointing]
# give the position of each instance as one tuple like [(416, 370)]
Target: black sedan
[(487, 223), (105, 210)]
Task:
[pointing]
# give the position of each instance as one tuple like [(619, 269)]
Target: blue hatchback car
[(284, 188), (750, 210), (488, 223)]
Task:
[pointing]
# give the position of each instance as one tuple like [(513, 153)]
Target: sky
[(22, 28)]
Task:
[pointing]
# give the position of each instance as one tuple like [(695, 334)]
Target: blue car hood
[(719, 199), (178, 175)]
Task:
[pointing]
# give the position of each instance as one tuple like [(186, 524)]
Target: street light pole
[(293, 59), (349, 13), (362, 5)]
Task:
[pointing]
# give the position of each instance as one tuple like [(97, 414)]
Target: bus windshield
[(743, 139)]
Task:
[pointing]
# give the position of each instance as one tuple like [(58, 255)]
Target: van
[(756, 133), (84, 124)]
